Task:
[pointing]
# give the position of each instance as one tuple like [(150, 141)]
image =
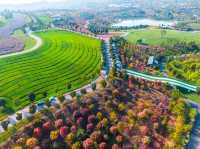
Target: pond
[(149, 22)]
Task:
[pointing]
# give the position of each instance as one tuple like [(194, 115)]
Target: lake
[(149, 22)]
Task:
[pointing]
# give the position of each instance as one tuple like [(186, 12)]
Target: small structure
[(150, 61)]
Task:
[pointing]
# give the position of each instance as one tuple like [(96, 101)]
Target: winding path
[(194, 142), (12, 118), (35, 47), (162, 79)]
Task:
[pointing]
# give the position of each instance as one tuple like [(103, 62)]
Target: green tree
[(2, 102), (32, 96), (73, 94), (94, 86), (69, 86), (5, 124), (45, 94), (61, 99), (32, 109), (19, 116), (103, 83), (83, 91), (176, 94), (47, 103)]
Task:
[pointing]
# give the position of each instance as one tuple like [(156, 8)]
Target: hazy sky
[(14, 2)]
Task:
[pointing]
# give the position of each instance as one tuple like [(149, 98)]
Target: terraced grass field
[(64, 58), (154, 36)]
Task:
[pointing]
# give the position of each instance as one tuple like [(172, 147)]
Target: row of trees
[(98, 28)]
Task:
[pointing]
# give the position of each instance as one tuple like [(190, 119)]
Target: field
[(64, 58), (153, 36), (28, 42)]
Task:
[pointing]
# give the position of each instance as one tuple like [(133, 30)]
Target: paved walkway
[(162, 79), (35, 47), (194, 142)]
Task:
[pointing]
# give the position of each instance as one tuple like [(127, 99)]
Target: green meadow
[(64, 58)]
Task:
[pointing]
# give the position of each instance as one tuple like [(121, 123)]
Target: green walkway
[(162, 79)]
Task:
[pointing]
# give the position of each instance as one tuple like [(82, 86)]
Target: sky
[(16, 2)]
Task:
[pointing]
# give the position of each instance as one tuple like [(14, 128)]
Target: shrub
[(54, 135), (69, 86), (73, 94), (103, 83), (102, 145), (32, 108), (2, 102), (19, 116), (94, 86), (47, 103), (61, 99), (32, 96), (5, 124), (83, 91), (88, 143), (31, 143), (76, 145), (63, 131)]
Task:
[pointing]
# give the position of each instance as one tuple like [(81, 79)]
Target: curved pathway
[(12, 118), (194, 142), (162, 79), (35, 47)]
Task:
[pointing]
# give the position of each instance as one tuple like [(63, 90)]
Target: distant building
[(150, 60)]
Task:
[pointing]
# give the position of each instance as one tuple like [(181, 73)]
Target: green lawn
[(153, 36), (28, 41), (64, 58)]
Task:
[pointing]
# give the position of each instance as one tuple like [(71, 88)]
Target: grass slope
[(153, 36), (28, 41), (64, 58)]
